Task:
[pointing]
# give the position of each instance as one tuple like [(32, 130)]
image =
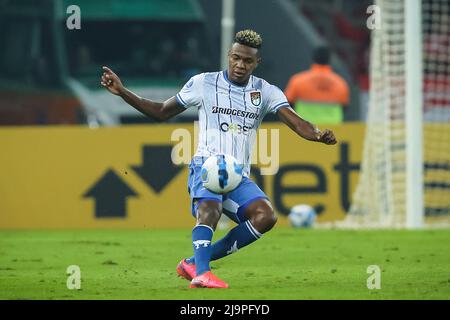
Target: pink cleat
[(186, 270), (207, 280)]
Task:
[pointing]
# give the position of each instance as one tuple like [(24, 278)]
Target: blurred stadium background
[(75, 157)]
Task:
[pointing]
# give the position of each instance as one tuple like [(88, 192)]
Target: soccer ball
[(302, 216), (221, 173)]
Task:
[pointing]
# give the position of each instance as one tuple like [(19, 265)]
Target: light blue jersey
[(229, 114)]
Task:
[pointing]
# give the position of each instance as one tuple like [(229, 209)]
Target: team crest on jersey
[(255, 98)]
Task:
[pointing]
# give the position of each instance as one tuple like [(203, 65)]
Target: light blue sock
[(201, 242), (237, 238)]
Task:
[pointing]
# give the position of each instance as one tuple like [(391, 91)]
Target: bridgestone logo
[(235, 112)]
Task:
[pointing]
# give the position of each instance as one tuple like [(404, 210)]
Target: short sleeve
[(191, 93), (277, 100)]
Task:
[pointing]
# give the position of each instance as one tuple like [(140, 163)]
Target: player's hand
[(327, 137), (111, 81)]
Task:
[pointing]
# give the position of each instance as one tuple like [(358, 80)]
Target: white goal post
[(414, 106), (405, 172)]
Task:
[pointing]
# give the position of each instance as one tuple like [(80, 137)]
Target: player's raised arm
[(304, 128), (160, 111)]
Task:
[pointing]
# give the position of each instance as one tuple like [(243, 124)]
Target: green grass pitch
[(285, 264)]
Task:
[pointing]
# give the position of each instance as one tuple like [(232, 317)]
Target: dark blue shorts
[(233, 203)]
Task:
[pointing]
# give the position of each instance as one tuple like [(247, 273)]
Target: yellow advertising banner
[(124, 177)]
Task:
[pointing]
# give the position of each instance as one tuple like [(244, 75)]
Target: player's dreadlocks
[(248, 38)]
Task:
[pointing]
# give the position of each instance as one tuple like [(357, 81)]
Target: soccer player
[(231, 105)]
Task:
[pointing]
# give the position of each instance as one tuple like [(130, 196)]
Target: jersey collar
[(225, 76)]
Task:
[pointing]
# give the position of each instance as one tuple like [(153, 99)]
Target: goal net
[(381, 196)]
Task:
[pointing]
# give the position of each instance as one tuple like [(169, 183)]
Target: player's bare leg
[(208, 213), (260, 218), (261, 215)]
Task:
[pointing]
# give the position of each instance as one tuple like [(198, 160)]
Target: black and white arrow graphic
[(157, 168), (110, 194)]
